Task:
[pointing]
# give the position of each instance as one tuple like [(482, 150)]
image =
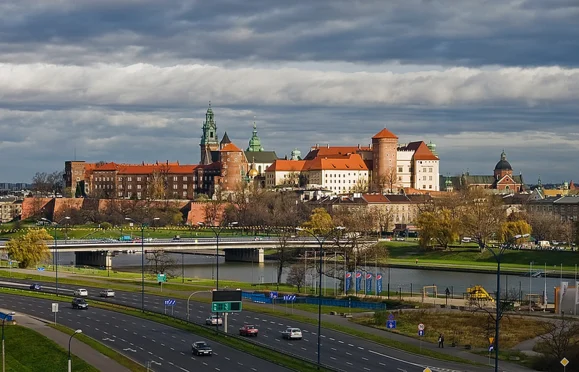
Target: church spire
[(209, 141), (254, 142)]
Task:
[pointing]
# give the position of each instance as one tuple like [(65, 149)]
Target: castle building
[(501, 181), (385, 166), (209, 142)]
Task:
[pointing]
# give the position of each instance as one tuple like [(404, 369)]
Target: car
[(248, 330), (81, 292), (292, 334), (107, 293), (201, 348), (79, 303), (214, 320), (35, 287)]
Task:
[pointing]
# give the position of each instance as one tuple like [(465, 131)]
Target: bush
[(106, 225)]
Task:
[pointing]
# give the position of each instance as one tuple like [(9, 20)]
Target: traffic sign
[(226, 306), (421, 332), (491, 340), (427, 370), (161, 278), (564, 362), (40, 269), (55, 307), (421, 327), (289, 297), (273, 294), (390, 324), (170, 302), (390, 316)]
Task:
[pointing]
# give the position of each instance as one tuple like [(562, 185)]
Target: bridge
[(99, 253)]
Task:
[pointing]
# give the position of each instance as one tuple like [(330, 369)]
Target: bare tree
[(560, 338), (160, 262), (544, 224), (297, 276), (482, 214)]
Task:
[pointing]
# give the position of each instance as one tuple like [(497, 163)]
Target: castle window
[(400, 169), (138, 179), (138, 187)]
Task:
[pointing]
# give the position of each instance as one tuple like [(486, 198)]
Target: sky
[(130, 80)]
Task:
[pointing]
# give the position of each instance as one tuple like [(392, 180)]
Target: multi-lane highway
[(339, 350), (165, 348)]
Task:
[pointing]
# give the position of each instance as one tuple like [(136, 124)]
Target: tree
[(482, 216), (439, 225), (566, 232), (160, 262), (30, 248), (508, 231), (543, 224), (320, 222), (559, 339), (296, 276), (40, 184)]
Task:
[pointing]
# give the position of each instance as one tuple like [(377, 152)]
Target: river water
[(406, 280)]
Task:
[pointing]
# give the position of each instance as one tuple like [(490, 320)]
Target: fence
[(263, 299)]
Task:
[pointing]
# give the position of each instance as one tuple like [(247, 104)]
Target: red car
[(248, 330)]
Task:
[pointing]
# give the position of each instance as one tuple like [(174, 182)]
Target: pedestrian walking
[(441, 341), (417, 261)]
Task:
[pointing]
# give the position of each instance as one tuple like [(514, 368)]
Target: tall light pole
[(3, 350), (69, 340), (55, 225), (321, 241), (142, 260), (217, 231), (189, 299), (498, 254)]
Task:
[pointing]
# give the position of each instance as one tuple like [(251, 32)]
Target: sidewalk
[(78, 348)]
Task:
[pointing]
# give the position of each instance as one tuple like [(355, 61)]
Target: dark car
[(35, 287), (79, 303), (201, 348)]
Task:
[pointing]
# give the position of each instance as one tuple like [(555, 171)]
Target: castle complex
[(384, 166)]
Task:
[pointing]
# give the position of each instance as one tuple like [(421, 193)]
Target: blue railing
[(263, 299)]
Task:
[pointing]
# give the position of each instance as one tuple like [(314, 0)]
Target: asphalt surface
[(165, 348), (338, 350)]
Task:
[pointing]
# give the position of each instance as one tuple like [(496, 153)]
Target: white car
[(107, 293), (81, 292), (214, 320), (292, 334)]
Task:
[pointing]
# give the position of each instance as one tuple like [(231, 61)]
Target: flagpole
[(545, 295), (376, 273)]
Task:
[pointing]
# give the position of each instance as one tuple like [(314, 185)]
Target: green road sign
[(226, 306), (161, 278)]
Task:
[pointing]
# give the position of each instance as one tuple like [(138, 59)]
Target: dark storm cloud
[(528, 33)]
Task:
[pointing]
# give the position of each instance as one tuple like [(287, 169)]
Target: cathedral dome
[(503, 164), (253, 173)]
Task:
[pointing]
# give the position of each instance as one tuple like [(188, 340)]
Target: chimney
[(358, 146), (328, 146)]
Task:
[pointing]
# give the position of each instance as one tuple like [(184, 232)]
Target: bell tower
[(209, 140)]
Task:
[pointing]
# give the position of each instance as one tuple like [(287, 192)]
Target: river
[(407, 280)]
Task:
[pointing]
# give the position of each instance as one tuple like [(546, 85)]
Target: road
[(338, 350), (168, 349)]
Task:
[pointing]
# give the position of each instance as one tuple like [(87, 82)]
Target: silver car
[(107, 293), (292, 334), (214, 320)]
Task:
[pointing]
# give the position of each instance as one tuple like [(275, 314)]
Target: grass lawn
[(464, 328), (469, 256), (27, 350)]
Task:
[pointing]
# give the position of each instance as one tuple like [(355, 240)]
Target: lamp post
[(498, 255), (217, 231), (55, 224), (321, 241), (142, 260), (3, 350), (69, 340), (189, 298)]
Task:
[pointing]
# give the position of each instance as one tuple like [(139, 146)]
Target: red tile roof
[(421, 151), (282, 165), (353, 162), (374, 198), (384, 133), (230, 147)]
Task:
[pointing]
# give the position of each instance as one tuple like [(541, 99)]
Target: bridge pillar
[(244, 255), (102, 259)]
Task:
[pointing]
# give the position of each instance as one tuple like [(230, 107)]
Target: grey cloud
[(528, 33)]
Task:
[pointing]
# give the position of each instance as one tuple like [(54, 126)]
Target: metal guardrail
[(184, 321)]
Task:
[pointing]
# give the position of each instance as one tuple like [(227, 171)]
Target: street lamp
[(498, 255), (142, 260), (321, 241), (69, 340), (189, 298), (3, 351), (217, 231), (55, 224)]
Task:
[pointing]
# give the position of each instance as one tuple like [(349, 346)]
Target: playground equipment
[(478, 293), (426, 288)]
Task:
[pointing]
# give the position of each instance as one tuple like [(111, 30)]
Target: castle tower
[(233, 167), (503, 167), (209, 141), (384, 151)]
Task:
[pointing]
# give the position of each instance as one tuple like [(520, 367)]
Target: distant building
[(10, 208), (502, 180)]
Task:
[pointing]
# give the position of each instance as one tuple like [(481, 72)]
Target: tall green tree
[(438, 226), (30, 248), (508, 231), (320, 222)]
